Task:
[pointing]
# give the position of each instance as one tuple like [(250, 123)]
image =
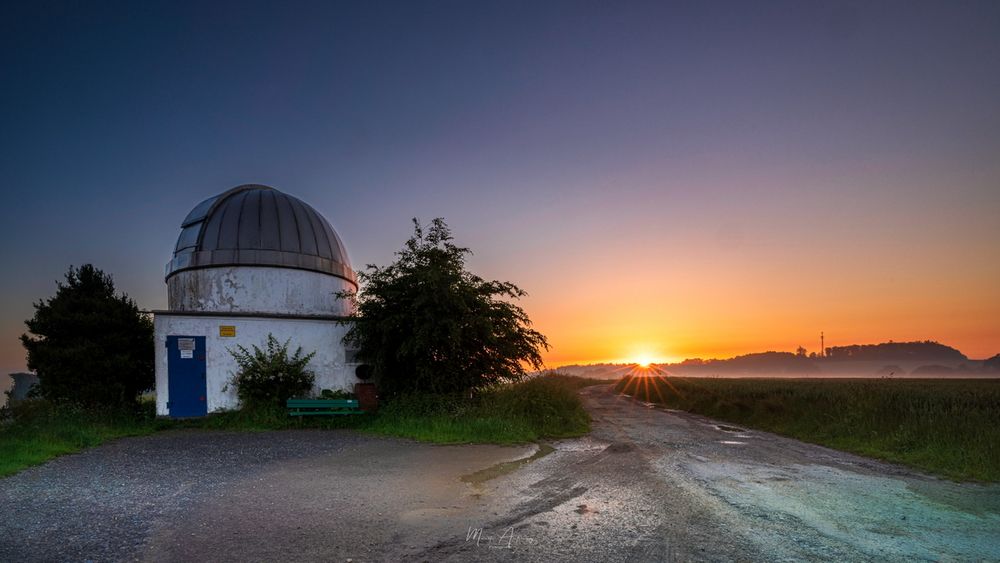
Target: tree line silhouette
[(940, 359), (925, 351)]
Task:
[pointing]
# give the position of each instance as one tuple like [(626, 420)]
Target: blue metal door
[(186, 376)]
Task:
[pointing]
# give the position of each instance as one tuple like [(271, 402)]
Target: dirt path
[(655, 485), (646, 485), (792, 500)]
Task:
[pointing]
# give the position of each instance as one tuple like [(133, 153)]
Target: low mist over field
[(891, 359)]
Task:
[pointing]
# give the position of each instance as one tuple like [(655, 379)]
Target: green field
[(950, 427), (538, 408)]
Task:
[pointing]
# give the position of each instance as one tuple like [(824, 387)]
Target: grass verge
[(538, 408), (943, 426), (542, 407), (40, 432)]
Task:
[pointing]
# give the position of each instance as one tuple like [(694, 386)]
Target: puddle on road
[(583, 444), (732, 443), (885, 518), (503, 468), (725, 428)]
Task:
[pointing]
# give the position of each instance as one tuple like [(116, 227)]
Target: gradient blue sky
[(669, 179)]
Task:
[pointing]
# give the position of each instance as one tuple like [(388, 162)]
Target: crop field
[(950, 427)]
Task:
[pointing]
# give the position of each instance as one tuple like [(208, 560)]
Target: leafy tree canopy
[(426, 324), (88, 344)]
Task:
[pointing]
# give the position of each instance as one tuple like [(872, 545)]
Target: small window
[(199, 212), (189, 237)]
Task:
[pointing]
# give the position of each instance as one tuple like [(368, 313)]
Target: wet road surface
[(655, 485), (646, 485)]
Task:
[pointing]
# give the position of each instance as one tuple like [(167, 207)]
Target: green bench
[(309, 407)]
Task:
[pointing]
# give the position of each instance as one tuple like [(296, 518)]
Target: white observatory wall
[(258, 289), (321, 336)]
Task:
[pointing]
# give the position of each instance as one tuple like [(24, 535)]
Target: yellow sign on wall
[(227, 330)]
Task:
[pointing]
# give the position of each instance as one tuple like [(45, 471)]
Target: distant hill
[(923, 358), (760, 364), (597, 371), (992, 364), (926, 351)]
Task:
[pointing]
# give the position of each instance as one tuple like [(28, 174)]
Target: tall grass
[(542, 407), (946, 426), (39, 431)]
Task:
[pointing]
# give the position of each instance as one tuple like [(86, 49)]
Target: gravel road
[(646, 485)]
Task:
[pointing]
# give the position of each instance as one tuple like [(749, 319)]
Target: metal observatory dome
[(256, 249)]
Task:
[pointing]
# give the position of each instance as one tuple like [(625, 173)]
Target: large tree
[(88, 344), (426, 324)]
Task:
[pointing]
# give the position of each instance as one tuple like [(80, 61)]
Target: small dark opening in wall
[(363, 372)]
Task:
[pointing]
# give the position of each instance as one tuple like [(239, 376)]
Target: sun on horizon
[(643, 362), (645, 358)]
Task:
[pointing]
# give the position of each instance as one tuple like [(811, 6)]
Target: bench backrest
[(321, 403)]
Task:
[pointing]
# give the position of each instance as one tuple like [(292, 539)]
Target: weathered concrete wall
[(323, 337), (255, 289)]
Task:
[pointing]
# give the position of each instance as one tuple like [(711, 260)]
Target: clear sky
[(664, 179)]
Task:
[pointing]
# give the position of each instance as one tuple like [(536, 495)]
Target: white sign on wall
[(186, 347)]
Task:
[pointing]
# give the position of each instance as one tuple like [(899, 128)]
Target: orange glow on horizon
[(684, 288), (663, 318), (644, 355)]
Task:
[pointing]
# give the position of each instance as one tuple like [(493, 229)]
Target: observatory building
[(249, 262)]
